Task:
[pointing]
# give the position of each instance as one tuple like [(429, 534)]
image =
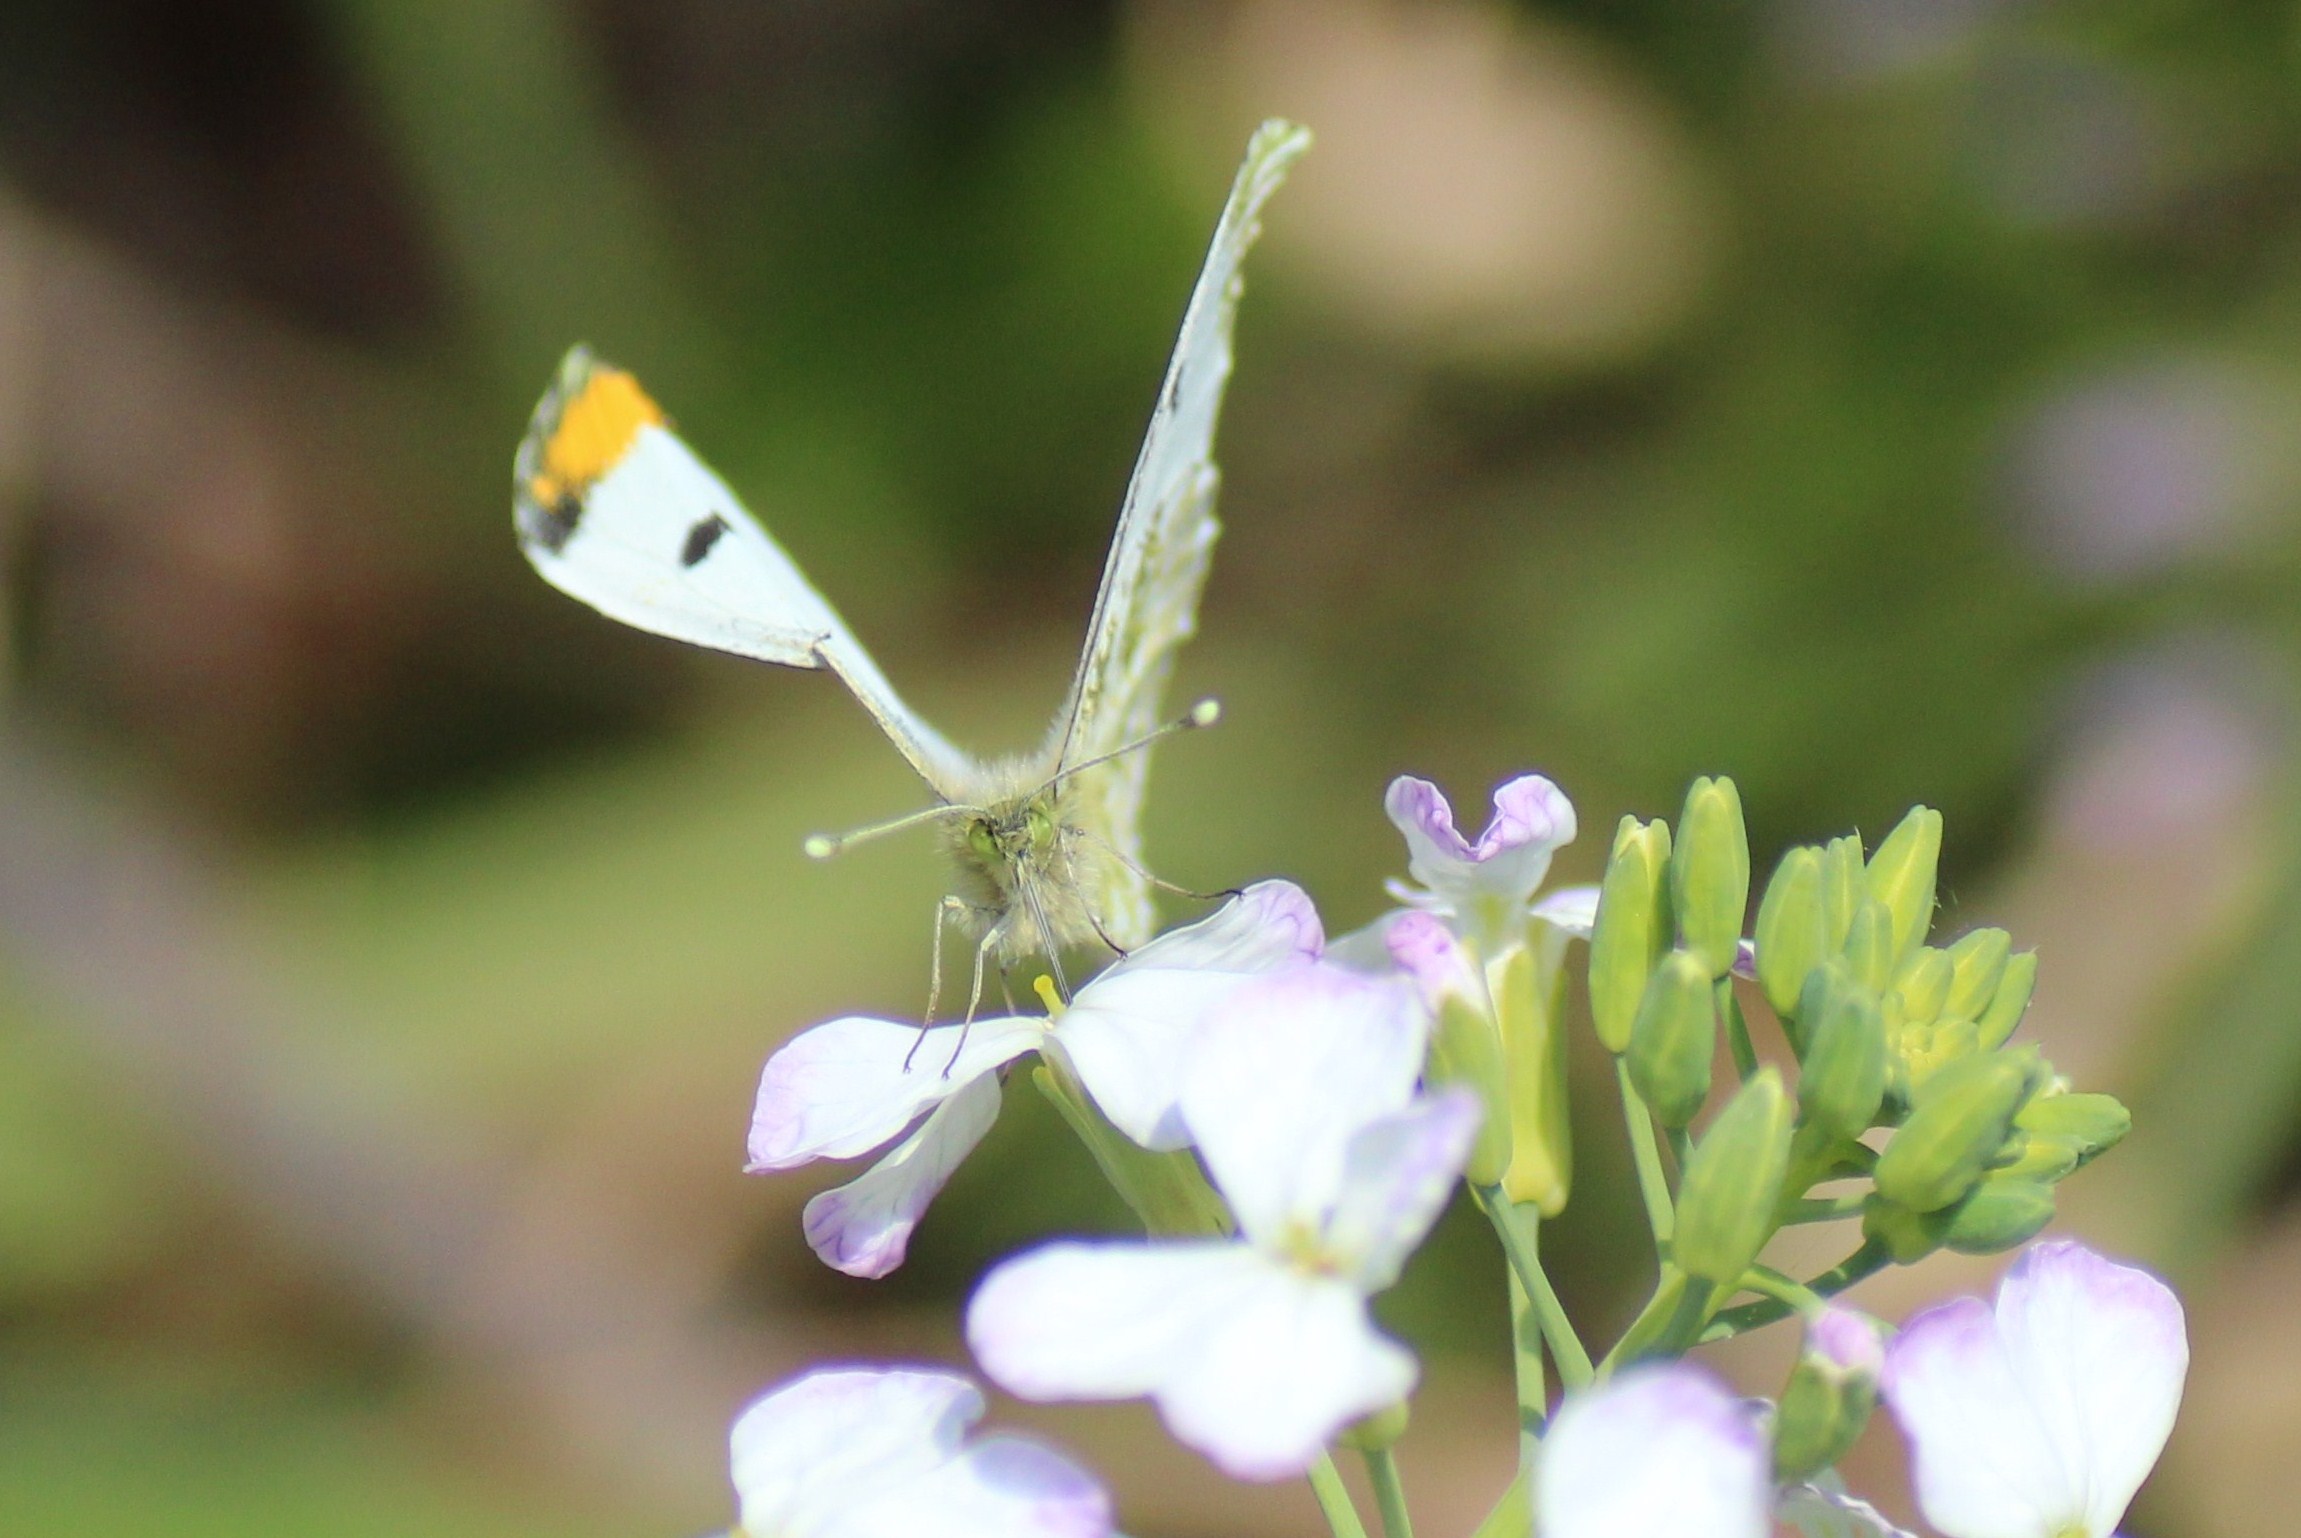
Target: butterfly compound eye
[(982, 841)]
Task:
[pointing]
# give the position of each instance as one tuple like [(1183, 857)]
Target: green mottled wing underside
[(1148, 603)]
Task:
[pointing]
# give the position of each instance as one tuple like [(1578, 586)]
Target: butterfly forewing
[(613, 509), (1147, 606)]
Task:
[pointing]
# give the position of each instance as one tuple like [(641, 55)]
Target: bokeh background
[(1880, 401)]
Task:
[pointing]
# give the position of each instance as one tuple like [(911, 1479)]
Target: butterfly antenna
[(1204, 714), (821, 846)]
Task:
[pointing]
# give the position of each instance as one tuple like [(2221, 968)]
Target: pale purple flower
[(1301, 1097), (1662, 1449), (1846, 1339), (877, 1452), (1504, 865), (853, 1085), (2040, 1416)]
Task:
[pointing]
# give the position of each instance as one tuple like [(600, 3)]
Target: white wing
[(1148, 604), (613, 509)]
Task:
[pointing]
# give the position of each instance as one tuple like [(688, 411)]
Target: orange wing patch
[(595, 430)]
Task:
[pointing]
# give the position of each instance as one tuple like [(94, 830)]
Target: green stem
[(1167, 1191), (1513, 1515), (1737, 1029), (1870, 1259), (1334, 1500), (1667, 1325), (1389, 1493), (1518, 1225), (1646, 1154), (1768, 1282)]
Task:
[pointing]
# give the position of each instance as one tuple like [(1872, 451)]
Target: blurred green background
[(1880, 401)]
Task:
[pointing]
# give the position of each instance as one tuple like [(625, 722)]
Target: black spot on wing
[(706, 533), (554, 525)]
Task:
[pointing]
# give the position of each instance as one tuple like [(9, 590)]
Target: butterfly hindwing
[(1147, 606), (613, 509)]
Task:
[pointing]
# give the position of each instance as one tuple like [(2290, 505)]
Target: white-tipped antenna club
[(821, 846)]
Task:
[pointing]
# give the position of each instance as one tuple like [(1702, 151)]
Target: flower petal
[(1662, 1449), (1846, 1339), (1290, 1066), (1573, 909), (1532, 819), (2102, 1351), (1983, 1463), (1396, 1177), (1421, 945), (1251, 1362), (851, 1085), (1107, 1320), (864, 1226), (1000, 1487), (1264, 927), (1128, 1032), (816, 1446)]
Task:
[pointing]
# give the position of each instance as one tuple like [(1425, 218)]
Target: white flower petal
[(1396, 1177), (1001, 1487), (1251, 1362), (1129, 1031), (818, 1446), (1294, 1361), (1573, 909), (1268, 925), (1289, 1067), (1662, 1449), (2102, 1351), (1367, 949), (864, 1226), (1109, 1320), (843, 1088), (1984, 1464)]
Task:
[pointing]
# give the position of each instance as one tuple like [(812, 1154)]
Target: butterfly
[(613, 509)]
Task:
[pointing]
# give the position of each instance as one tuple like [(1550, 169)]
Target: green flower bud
[(2037, 1156), (1789, 932), (1529, 995), (1633, 927), (1844, 885), (1954, 1131), (1926, 1048), (2090, 1124), (2010, 1002), (1465, 1050), (1843, 1077), (1976, 963), (1909, 1237), (2001, 1212), (1710, 873), (1869, 947), (1923, 981), (1830, 1395), (1673, 1039), (1732, 1183), (1465, 1040), (1901, 875)]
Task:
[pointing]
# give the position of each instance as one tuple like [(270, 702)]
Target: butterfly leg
[(943, 914), (983, 948)]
